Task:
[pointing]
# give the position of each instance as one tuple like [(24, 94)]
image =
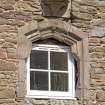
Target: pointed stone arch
[(62, 32)]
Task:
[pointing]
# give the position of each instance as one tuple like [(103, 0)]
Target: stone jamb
[(80, 49), (86, 67)]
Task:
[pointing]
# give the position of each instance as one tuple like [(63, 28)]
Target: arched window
[(73, 52)]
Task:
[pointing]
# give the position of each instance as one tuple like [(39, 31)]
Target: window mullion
[(49, 69)]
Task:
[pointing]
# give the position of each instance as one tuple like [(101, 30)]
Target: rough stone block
[(12, 55), (3, 53), (7, 4), (100, 96), (7, 66), (32, 6), (8, 45), (11, 40), (7, 93)]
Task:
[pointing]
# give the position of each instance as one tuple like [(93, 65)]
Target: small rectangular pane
[(58, 61), (59, 82), (39, 59), (38, 80)]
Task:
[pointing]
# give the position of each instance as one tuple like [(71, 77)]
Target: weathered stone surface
[(83, 16), (15, 22), (99, 70), (8, 45), (100, 103), (94, 40), (103, 40), (32, 6), (3, 53), (98, 31), (4, 35), (97, 49), (57, 8), (90, 3), (101, 9), (100, 96), (7, 66), (84, 9), (2, 41), (26, 16), (8, 28), (11, 40), (7, 93), (7, 101), (97, 54), (12, 55), (98, 64), (7, 4), (87, 15), (11, 50)]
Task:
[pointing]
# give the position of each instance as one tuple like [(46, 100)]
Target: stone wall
[(87, 15)]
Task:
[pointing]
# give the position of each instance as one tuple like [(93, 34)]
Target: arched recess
[(63, 32)]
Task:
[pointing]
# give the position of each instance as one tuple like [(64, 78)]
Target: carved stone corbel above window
[(62, 32), (57, 8)]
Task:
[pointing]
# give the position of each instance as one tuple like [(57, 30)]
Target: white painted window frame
[(71, 72)]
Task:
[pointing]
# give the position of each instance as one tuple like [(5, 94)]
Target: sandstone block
[(7, 102), (15, 22), (95, 3), (11, 40), (98, 31), (101, 9), (32, 6), (98, 49), (99, 70), (99, 77), (98, 64), (8, 45), (83, 16), (7, 15), (83, 8), (19, 15), (12, 55), (97, 83), (100, 96), (2, 41), (3, 53), (7, 66), (103, 40), (97, 55), (7, 93), (7, 4), (8, 28), (11, 50)]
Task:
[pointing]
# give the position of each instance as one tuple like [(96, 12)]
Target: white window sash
[(71, 72)]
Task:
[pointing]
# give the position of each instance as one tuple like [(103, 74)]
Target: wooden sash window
[(50, 72)]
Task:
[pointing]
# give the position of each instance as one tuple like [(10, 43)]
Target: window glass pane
[(39, 59), (58, 61), (38, 80), (59, 82)]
